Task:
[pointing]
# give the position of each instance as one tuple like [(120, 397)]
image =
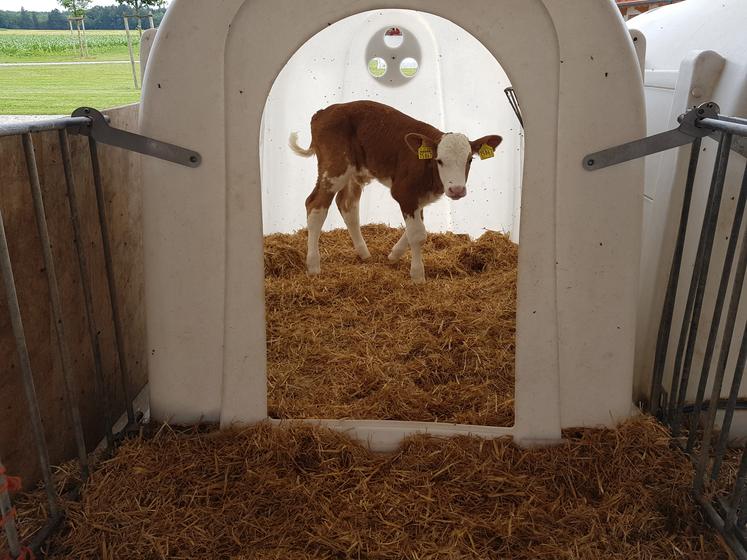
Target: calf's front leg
[(416, 234), (399, 248)]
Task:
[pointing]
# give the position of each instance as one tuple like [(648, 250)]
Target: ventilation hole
[(408, 67), (393, 37), (377, 67)]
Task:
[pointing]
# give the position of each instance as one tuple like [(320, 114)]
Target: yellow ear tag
[(486, 151), (425, 152)]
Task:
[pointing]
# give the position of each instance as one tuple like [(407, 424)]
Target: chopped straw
[(304, 492), (362, 341)]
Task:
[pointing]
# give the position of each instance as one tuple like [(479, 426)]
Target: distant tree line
[(98, 17)]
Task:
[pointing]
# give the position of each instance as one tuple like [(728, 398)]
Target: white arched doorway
[(575, 70)]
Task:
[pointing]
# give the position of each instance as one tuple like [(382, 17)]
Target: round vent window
[(377, 67), (393, 37), (408, 67)]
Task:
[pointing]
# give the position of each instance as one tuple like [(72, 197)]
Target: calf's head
[(452, 154)]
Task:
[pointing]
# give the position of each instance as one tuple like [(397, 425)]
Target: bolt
[(589, 162)]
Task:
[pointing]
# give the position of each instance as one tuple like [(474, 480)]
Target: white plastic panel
[(449, 91)]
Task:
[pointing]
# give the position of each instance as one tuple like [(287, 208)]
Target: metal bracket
[(683, 134), (99, 130)]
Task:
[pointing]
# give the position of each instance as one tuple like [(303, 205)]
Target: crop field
[(60, 46), (30, 87)]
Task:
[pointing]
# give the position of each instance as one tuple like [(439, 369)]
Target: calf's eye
[(440, 161)]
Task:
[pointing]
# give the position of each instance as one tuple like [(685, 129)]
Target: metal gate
[(91, 123), (694, 425)]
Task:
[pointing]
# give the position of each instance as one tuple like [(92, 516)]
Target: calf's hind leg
[(317, 207), (348, 202)]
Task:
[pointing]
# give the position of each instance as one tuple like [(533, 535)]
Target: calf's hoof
[(363, 253), (313, 266), (417, 276), (394, 256)]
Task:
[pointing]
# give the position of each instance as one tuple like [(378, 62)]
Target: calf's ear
[(493, 141), (415, 140)]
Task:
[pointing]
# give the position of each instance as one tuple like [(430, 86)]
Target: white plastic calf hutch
[(576, 75)]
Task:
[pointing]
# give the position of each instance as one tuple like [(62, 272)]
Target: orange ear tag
[(425, 152), (486, 151)]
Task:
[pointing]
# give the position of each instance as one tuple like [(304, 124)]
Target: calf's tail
[(298, 150)]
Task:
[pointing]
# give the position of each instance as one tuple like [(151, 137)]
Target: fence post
[(129, 46)]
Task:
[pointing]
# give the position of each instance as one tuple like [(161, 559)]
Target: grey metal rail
[(17, 129)]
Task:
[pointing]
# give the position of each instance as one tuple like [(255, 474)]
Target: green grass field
[(45, 90), (58, 90), (18, 45)]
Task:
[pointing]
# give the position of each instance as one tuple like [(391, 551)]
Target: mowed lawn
[(58, 90)]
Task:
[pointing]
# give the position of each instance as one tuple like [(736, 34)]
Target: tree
[(26, 21), (56, 20), (35, 20), (76, 8), (139, 6)]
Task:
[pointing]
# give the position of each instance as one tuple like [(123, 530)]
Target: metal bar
[(514, 102), (742, 357), (105, 238), (686, 341), (738, 120), (738, 143), (16, 129), (73, 409), (739, 129), (102, 132), (85, 281), (683, 134), (43, 534), (665, 324), (721, 166), (697, 288), (634, 3), (722, 288), (722, 505), (738, 492), (6, 513), (25, 364), (637, 149), (717, 523)]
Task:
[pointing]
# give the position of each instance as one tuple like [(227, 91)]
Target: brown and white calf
[(360, 141)]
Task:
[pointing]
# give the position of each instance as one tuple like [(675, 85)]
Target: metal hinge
[(99, 130), (683, 134)]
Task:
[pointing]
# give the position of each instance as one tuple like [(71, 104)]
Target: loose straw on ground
[(302, 492), (362, 341)]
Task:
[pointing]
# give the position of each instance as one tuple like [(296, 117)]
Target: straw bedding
[(362, 341), (303, 492)]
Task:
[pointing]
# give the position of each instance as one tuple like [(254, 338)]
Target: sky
[(43, 5)]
